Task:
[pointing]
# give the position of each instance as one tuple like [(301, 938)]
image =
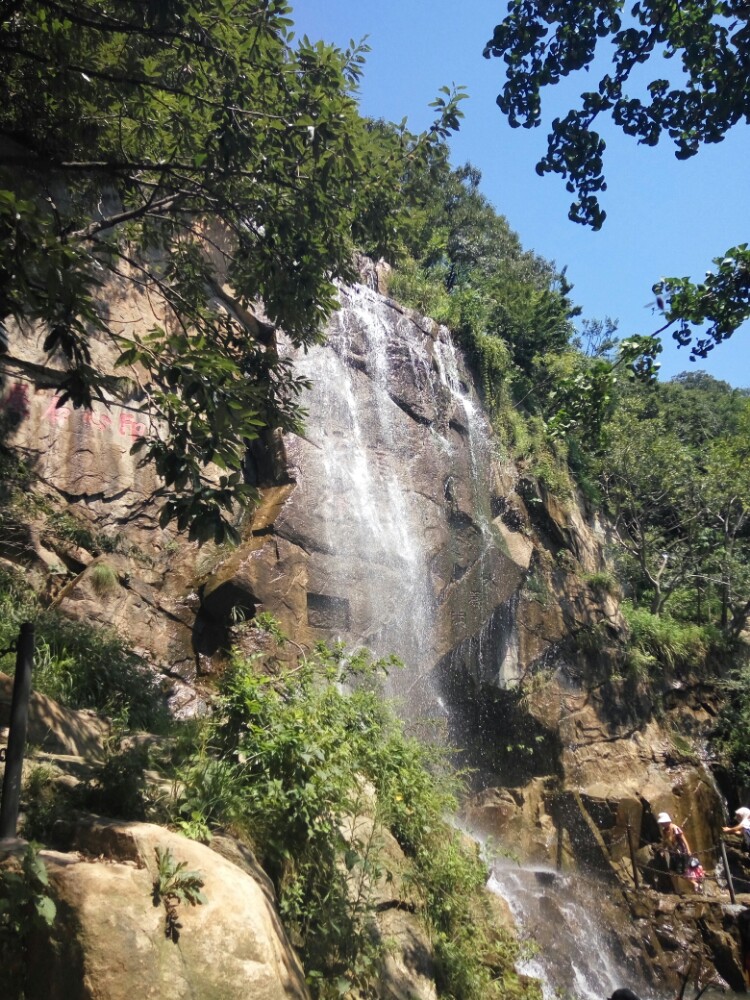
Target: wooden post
[(19, 717), (636, 873), (732, 896)]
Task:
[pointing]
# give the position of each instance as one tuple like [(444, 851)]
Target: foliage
[(663, 642), (453, 882), (208, 796), (118, 788), (543, 42), (731, 735), (722, 299), (78, 664), (103, 579), (546, 385), (69, 528), (17, 604), (25, 901), (309, 765), (463, 265), (674, 480), (208, 159), (26, 905), (601, 582), (46, 805), (535, 586), (266, 622), (90, 667), (64, 525), (173, 885)]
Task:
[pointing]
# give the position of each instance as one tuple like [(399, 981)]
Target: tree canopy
[(698, 90), (674, 480), (197, 150)]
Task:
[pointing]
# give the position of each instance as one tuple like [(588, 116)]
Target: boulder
[(79, 733), (109, 939)]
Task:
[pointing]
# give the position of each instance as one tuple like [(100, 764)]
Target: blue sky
[(664, 217)]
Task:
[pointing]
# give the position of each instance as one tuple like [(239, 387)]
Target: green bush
[(46, 803), (418, 289), (103, 579), (309, 765), (118, 788), (601, 583), (18, 603), (80, 665), (730, 739), (86, 666), (669, 642), (68, 528)]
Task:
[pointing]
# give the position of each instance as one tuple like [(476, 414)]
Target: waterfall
[(393, 468), (568, 928)]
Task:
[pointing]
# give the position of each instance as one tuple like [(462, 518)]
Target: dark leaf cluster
[(679, 70)]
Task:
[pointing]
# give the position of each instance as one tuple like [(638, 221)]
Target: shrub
[(46, 803), (670, 642), (118, 788), (309, 765), (25, 906), (103, 579), (17, 604), (731, 736), (85, 666), (210, 796), (173, 885), (80, 665), (70, 529), (420, 290), (601, 583)]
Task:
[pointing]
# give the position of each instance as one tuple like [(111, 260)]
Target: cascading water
[(567, 926), (396, 450)]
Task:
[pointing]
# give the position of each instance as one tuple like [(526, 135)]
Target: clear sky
[(664, 217)]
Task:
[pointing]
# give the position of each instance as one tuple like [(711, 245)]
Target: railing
[(19, 717)]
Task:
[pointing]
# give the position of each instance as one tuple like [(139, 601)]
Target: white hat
[(663, 818), (743, 811)]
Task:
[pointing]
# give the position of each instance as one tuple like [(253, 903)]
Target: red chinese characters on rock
[(122, 422)]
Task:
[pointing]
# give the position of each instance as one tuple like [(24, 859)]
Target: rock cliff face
[(395, 522)]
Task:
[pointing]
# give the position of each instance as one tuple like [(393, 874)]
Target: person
[(742, 826), (674, 842), (696, 874), (624, 994)]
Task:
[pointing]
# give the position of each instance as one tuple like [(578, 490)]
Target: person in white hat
[(742, 826), (674, 842)]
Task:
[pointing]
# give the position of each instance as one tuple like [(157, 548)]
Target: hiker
[(742, 826), (674, 842), (695, 873)]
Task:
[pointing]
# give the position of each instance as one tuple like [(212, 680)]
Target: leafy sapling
[(174, 885)]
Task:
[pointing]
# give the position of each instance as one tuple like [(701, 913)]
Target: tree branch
[(165, 204)]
